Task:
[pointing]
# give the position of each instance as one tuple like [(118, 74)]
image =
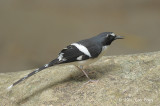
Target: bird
[(81, 53)]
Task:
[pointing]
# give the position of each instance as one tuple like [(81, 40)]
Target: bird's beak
[(119, 37)]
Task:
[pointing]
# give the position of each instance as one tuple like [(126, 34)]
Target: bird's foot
[(89, 73), (90, 81)]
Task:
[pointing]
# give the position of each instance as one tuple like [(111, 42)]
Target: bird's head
[(106, 38)]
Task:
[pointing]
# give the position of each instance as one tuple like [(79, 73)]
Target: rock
[(121, 80)]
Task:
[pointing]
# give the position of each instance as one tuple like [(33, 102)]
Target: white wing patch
[(82, 48), (79, 58)]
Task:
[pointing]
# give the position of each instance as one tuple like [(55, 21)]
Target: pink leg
[(90, 80), (81, 68)]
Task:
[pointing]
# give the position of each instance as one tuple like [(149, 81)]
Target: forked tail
[(52, 63)]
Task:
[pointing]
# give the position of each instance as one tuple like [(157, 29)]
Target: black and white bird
[(80, 53)]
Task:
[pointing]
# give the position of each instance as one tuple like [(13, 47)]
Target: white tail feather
[(9, 87)]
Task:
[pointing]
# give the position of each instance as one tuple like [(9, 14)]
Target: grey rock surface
[(120, 80)]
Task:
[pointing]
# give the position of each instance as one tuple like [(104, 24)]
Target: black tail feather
[(52, 63)]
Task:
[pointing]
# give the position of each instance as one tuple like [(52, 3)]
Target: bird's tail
[(52, 63)]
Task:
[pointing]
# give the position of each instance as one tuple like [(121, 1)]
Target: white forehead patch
[(112, 34), (82, 48)]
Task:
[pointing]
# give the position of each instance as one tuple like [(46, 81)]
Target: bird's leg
[(81, 68), (90, 80)]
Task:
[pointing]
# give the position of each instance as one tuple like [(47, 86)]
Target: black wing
[(93, 47), (71, 54)]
